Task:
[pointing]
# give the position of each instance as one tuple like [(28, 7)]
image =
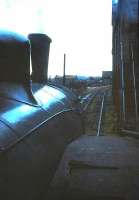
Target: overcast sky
[(79, 28)]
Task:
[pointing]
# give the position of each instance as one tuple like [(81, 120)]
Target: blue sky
[(80, 28)]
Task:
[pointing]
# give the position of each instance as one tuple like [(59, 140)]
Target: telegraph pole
[(64, 67)]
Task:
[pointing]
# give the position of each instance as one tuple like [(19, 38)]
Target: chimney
[(40, 45), (14, 58)]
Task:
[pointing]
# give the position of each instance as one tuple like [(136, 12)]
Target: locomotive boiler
[(37, 120)]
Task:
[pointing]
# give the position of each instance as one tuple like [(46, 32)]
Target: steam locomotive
[(37, 120)]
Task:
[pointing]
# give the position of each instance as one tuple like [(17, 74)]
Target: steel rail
[(100, 117), (88, 100)]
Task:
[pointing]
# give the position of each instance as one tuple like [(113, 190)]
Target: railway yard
[(103, 163), (72, 137)]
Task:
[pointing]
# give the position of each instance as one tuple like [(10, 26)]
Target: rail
[(100, 117), (98, 111), (86, 100)]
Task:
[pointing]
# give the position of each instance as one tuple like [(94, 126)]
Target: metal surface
[(100, 117), (21, 117), (40, 45), (123, 83), (64, 70), (14, 58), (18, 92), (85, 101), (71, 96), (134, 83), (36, 123), (7, 136), (51, 99)]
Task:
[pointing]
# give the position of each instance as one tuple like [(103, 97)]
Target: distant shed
[(107, 77)]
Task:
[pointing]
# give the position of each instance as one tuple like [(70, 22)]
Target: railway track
[(93, 111), (86, 100)]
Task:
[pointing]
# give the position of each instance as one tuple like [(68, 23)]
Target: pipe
[(134, 82), (123, 85), (64, 68), (40, 45)]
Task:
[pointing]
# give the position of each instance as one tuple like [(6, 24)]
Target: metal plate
[(52, 100), (7, 136), (17, 92), (21, 117)]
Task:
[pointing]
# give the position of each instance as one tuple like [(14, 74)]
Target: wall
[(125, 23)]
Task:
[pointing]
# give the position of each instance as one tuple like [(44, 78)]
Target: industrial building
[(125, 21)]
